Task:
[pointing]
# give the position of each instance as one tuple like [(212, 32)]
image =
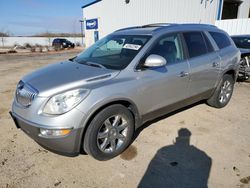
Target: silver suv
[(95, 101)]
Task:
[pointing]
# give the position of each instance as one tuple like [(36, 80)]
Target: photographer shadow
[(180, 165)]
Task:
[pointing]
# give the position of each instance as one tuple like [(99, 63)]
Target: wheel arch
[(231, 72), (123, 101), (244, 55)]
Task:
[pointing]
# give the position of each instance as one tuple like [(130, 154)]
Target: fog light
[(54, 132)]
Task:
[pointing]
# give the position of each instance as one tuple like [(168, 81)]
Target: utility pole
[(81, 22)]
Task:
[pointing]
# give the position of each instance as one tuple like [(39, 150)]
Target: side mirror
[(155, 61)]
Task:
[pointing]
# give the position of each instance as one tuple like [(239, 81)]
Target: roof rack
[(158, 25), (135, 27), (200, 24), (148, 25)]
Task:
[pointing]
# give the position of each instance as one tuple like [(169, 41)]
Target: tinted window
[(195, 44), (221, 39), (168, 47), (242, 42), (208, 43)]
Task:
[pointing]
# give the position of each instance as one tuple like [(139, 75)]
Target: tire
[(223, 92), (109, 133)]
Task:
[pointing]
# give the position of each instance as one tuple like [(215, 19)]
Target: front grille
[(25, 94)]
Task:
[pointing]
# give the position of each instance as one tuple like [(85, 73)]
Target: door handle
[(183, 74), (215, 64)]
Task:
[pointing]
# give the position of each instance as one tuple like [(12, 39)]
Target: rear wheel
[(109, 133), (223, 92)]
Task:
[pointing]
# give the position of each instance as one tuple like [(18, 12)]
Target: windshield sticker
[(132, 46)]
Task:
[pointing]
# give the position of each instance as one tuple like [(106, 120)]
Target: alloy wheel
[(112, 134), (226, 91)]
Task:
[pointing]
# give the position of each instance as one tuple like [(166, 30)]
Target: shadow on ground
[(179, 165)]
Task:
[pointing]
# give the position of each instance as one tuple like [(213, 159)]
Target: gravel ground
[(197, 147)]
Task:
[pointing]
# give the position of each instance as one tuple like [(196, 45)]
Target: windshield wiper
[(93, 64), (72, 59)]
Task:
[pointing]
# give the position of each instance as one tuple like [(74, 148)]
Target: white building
[(115, 14)]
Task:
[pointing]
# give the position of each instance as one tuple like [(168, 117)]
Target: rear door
[(204, 63)]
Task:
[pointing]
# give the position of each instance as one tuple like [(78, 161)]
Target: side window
[(170, 48), (237, 42), (242, 42), (210, 48), (220, 39), (195, 44)]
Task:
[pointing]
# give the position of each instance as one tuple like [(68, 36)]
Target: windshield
[(113, 51), (242, 42)]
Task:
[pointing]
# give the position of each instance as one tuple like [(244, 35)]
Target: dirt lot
[(217, 155)]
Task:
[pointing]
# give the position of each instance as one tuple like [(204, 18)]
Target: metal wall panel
[(115, 14), (235, 26)]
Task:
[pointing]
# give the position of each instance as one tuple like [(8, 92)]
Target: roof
[(90, 2), (153, 28), (241, 36)]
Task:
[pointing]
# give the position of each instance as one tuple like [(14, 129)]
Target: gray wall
[(115, 14), (11, 41), (235, 26)]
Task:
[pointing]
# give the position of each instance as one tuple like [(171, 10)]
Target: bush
[(27, 45), (78, 44), (32, 49), (40, 49), (12, 51)]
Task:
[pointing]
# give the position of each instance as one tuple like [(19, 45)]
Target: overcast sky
[(28, 17)]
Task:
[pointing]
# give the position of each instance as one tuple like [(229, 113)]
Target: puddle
[(129, 153)]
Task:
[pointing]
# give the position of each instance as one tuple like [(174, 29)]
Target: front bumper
[(68, 145)]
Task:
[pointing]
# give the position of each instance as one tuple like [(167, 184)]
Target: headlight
[(64, 102)]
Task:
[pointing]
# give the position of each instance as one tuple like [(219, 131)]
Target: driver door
[(164, 87)]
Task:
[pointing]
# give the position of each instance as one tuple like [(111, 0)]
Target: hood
[(66, 75), (244, 51)]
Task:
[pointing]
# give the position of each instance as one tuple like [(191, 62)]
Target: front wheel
[(223, 92), (109, 133)]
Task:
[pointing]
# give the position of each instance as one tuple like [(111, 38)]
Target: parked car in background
[(243, 43), (60, 43), (132, 76)]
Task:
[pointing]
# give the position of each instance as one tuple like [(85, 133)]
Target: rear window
[(220, 39), (195, 44)]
